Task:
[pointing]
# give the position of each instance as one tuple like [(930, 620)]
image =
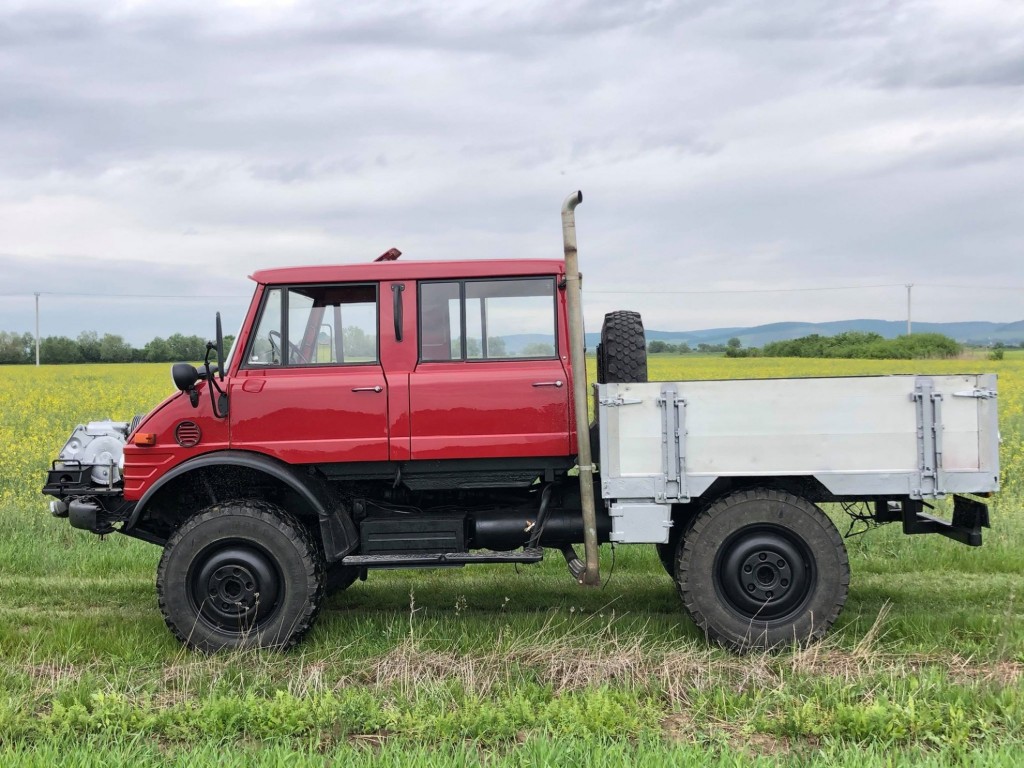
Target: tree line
[(851, 344), (90, 347)]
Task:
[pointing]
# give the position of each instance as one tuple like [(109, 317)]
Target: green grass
[(492, 665), (531, 752)]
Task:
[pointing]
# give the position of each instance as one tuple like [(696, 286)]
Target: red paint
[(144, 465), (489, 410), (398, 409), (380, 271), (309, 415)]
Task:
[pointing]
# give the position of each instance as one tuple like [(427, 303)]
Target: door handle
[(378, 388), (548, 383)]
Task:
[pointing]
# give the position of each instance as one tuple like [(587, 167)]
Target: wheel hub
[(764, 573), (235, 587)]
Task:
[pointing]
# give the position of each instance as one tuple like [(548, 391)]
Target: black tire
[(761, 569), (243, 574), (622, 353), (668, 553)]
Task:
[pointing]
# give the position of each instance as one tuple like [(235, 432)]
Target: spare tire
[(622, 353)]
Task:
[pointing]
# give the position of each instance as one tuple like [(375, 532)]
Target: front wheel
[(244, 574), (762, 568)]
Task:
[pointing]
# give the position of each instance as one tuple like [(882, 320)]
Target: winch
[(99, 445)]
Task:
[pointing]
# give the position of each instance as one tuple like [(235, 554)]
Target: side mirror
[(184, 376)]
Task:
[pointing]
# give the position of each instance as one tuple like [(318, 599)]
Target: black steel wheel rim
[(235, 586), (765, 572)]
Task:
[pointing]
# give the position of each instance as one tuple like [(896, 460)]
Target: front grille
[(188, 434)]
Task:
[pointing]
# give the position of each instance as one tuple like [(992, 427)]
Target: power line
[(756, 290), (105, 296), (819, 288), (132, 295), (972, 287)]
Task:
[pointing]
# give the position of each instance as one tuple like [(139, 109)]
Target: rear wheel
[(666, 553), (669, 552), (763, 568), (244, 574), (622, 353)]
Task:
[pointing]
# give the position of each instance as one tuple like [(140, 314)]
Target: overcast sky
[(172, 148)]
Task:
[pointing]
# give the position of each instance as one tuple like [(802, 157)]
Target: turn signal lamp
[(145, 438)]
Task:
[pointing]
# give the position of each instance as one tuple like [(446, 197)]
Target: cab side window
[(262, 349), (488, 319), (315, 326)]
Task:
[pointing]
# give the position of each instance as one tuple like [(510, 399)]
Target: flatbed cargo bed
[(919, 437)]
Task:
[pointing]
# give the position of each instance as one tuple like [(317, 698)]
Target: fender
[(338, 531)]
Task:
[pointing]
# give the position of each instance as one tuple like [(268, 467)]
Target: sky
[(741, 162)]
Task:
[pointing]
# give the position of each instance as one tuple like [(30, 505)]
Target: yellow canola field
[(39, 407)]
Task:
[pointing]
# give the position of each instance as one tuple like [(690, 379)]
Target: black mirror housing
[(184, 376)]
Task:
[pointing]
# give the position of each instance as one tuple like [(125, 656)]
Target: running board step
[(427, 559)]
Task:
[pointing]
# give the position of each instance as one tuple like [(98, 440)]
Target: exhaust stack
[(577, 344)]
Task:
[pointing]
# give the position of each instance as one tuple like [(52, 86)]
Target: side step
[(437, 559), (969, 517)]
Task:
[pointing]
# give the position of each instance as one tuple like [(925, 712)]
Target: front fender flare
[(338, 532)]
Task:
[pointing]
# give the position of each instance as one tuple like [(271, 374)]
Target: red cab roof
[(408, 270)]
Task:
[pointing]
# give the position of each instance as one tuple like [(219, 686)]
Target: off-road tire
[(745, 601), (622, 353), (668, 552), (667, 555), (258, 570)]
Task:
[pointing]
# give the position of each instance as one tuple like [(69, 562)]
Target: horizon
[(138, 342)]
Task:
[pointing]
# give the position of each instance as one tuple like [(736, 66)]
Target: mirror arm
[(216, 403)]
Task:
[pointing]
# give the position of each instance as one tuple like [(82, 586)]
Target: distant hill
[(975, 332)]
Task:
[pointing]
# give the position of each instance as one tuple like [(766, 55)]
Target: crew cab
[(399, 414)]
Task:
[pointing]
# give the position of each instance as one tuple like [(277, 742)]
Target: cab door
[(311, 388), (490, 381)]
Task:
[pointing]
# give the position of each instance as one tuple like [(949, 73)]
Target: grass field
[(493, 665)]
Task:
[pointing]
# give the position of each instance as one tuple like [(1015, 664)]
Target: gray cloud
[(720, 145)]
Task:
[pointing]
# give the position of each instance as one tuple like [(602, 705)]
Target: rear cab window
[(480, 320)]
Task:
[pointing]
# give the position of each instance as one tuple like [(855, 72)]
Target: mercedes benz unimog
[(425, 414)]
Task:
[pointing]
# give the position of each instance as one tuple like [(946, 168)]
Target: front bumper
[(100, 509)]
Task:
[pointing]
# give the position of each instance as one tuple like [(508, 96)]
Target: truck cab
[(466, 360), (396, 368)]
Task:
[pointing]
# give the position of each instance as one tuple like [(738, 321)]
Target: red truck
[(402, 414)]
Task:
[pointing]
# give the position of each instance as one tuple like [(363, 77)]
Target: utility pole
[(909, 287), (37, 329)]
